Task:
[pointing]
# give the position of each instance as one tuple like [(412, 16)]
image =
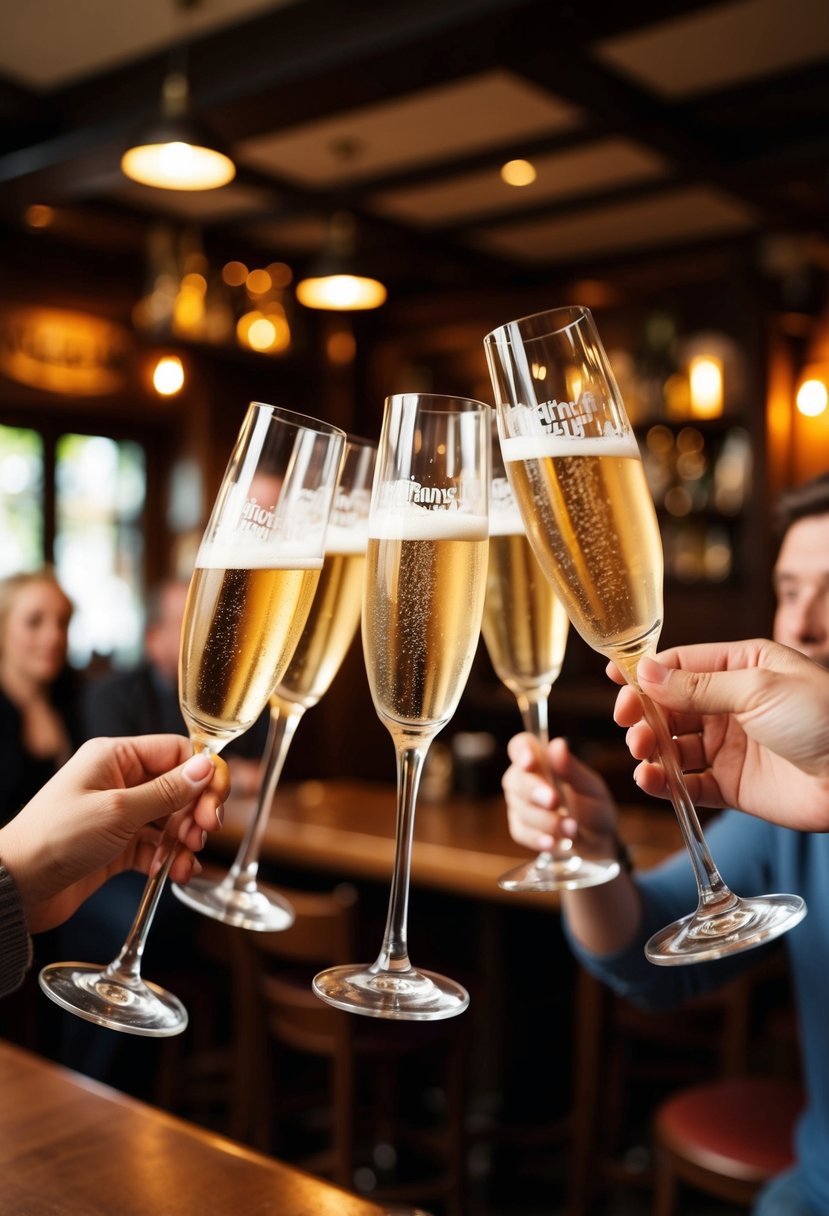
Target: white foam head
[(539, 447), (248, 555), (417, 523), (347, 540), (506, 520)]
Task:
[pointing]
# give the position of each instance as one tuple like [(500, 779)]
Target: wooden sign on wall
[(62, 350)]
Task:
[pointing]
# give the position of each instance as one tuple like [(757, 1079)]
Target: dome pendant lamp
[(336, 281), (177, 152)]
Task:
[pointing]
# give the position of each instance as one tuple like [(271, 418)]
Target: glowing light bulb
[(168, 376)]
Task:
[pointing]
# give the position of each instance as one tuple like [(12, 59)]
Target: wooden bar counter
[(72, 1147), (461, 844)]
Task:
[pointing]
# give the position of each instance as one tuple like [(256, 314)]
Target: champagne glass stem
[(242, 874), (126, 968), (394, 953), (534, 714), (714, 895)]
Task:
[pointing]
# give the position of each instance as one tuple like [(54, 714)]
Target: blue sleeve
[(741, 846)]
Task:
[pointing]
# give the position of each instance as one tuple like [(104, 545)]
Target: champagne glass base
[(261, 909), (746, 924), (92, 992), (547, 873), (408, 996)]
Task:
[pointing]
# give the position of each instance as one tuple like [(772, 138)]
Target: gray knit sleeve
[(15, 943)]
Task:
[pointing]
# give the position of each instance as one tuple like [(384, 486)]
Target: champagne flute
[(525, 629), (238, 899), (250, 593), (575, 469), (422, 605)]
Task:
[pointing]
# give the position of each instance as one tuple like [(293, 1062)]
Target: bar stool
[(726, 1138), (617, 1044), (278, 1016)]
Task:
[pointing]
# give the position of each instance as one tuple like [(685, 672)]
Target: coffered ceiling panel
[(432, 124), (725, 45), (677, 217), (596, 166)]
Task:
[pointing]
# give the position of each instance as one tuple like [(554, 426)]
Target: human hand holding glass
[(422, 605), (574, 466), (525, 630), (255, 576), (239, 899)]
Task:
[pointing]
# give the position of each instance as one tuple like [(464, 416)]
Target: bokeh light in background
[(518, 173), (812, 398), (168, 376)]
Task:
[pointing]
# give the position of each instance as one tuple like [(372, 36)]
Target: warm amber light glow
[(258, 282), (178, 166), (706, 384), (38, 215), (281, 273), (61, 350), (234, 273), (194, 282), (265, 334), (812, 398), (341, 292), (168, 376), (340, 347), (518, 173), (261, 334)]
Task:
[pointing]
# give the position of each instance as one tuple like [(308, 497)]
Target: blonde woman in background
[(39, 712)]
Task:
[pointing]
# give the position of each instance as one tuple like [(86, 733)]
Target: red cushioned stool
[(726, 1138)]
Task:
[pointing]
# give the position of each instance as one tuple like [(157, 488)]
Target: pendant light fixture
[(177, 152), (336, 281)]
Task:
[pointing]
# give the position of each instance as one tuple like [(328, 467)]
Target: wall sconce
[(812, 397), (336, 281), (705, 379), (176, 152)]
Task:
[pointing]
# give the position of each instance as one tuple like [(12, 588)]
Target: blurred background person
[(40, 717), (144, 700)]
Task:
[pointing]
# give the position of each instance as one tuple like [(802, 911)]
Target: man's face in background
[(801, 582)]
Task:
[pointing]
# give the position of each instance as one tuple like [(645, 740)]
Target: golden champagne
[(525, 624), (328, 633), (592, 523), (240, 630), (424, 594)]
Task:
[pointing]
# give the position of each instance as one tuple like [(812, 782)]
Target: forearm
[(15, 943), (605, 919)]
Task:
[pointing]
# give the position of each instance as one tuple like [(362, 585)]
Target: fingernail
[(220, 814), (545, 842), (649, 669), (198, 767)]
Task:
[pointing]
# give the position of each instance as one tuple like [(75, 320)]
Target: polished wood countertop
[(72, 1147), (461, 844)]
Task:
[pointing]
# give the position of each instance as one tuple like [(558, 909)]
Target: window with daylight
[(77, 501)]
